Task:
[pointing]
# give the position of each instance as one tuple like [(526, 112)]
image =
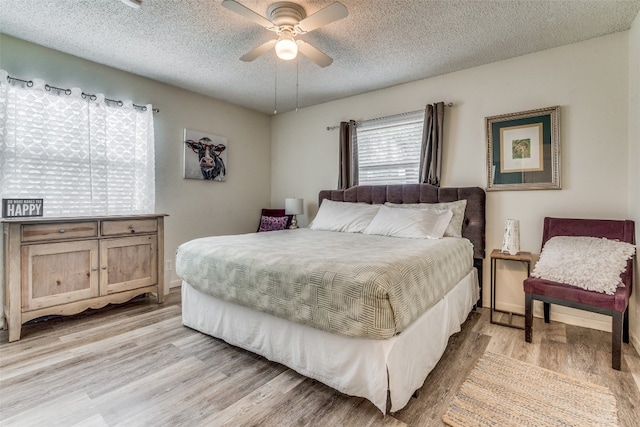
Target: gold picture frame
[(523, 150)]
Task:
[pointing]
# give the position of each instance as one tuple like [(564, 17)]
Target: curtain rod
[(450, 104), (48, 87)]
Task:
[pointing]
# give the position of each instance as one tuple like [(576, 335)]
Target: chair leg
[(546, 307), (625, 326), (616, 339), (528, 315), (478, 265)]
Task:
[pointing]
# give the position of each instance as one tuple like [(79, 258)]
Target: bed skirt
[(355, 366)]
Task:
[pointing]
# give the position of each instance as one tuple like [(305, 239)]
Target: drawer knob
[(62, 230), (131, 227), (94, 269), (104, 267)]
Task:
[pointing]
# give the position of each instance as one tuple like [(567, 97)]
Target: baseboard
[(570, 316), (513, 308), (175, 283), (635, 342)]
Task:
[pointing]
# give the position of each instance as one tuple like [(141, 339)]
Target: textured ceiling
[(196, 44)]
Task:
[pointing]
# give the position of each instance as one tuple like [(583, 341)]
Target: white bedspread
[(347, 283)]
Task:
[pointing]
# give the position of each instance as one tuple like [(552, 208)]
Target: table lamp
[(293, 206)]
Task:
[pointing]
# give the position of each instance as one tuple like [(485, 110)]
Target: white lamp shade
[(286, 48), (293, 206)]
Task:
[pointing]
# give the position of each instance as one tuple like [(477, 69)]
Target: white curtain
[(82, 155)]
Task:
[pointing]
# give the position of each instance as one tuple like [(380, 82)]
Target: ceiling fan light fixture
[(135, 4), (288, 20), (286, 48)]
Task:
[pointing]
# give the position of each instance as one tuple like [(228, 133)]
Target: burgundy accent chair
[(549, 292)]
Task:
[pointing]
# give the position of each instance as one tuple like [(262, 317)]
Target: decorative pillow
[(411, 223), (344, 216), (590, 263), (454, 229), (272, 223)]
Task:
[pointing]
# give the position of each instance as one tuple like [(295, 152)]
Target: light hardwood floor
[(135, 364)]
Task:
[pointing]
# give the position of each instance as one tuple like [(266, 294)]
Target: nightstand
[(496, 255)]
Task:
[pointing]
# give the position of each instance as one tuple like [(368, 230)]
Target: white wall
[(195, 208), (634, 169), (587, 80)]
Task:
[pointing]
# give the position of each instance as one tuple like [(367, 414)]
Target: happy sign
[(13, 208)]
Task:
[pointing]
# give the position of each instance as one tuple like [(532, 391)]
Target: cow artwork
[(209, 160)]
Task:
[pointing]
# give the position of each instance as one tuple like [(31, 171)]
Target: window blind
[(389, 149)]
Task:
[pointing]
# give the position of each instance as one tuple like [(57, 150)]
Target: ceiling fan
[(287, 20)]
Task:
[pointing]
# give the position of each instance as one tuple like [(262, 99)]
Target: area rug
[(501, 391)]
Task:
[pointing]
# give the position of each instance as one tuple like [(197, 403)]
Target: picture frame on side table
[(523, 150)]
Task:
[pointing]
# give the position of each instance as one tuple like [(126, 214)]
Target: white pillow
[(344, 216), (590, 263), (454, 229), (411, 223)]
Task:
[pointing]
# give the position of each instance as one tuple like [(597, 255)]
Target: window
[(79, 153), (389, 149)]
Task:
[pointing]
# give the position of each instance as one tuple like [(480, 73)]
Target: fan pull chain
[(275, 90), (297, 78)]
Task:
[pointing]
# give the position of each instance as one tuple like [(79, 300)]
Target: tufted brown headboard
[(473, 227)]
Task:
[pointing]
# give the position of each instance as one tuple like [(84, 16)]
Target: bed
[(383, 359)]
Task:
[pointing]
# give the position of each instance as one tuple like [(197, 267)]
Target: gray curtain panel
[(432, 140), (348, 175)]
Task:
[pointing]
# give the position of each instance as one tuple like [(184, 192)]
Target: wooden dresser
[(62, 266)]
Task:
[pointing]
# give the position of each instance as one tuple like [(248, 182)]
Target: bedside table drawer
[(58, 231), (131, 226)]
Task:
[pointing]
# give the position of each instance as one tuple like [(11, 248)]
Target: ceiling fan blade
[(236, 7), (314, 54), (329, 14), (253, 54)]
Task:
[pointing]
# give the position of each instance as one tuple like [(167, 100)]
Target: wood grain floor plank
[(149, 393), (55, 412), (627, 397), (92, 374), (130, 337), (553, 355), (253, 404), (114, 326), (633, 361), (26, 366), (524, 351), (190, 402), (108, 327), (256, 409), (555, 331), (135, 364), (94, 421), (338, 408), (305, 401), (363, 413)]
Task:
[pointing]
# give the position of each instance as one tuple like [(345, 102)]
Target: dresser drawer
[(58, 231), (128, 226)]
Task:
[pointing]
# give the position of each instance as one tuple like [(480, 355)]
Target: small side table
[(496, 255)]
